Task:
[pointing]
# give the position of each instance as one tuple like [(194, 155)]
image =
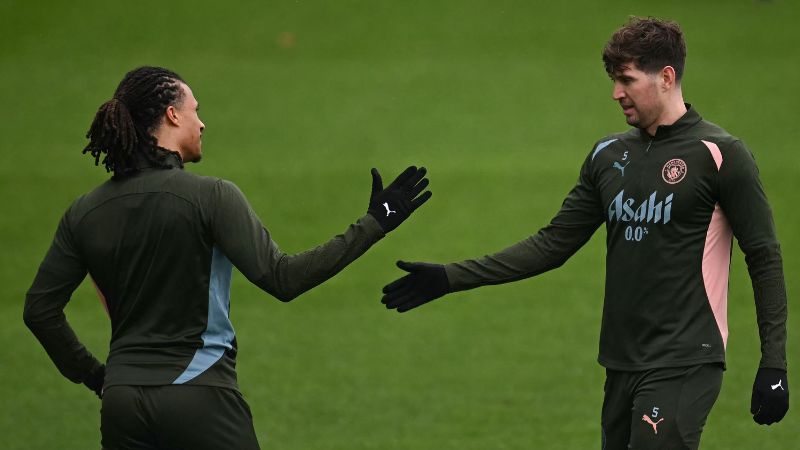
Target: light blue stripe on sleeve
[(601, 146), (218, 336)]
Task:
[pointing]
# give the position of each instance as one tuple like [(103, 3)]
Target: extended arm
[(580, 215), (245, 241)]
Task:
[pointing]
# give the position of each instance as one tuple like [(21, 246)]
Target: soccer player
[(672, 192), (160, 244)]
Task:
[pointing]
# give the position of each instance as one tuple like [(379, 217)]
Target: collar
[(159, 157), (688, 120), (173, 159)]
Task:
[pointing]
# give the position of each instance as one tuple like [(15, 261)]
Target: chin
[(195, 156)]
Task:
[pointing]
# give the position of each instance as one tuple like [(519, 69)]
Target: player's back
[(146, 244)]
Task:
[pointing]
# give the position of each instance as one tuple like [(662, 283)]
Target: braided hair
[(123, 126)]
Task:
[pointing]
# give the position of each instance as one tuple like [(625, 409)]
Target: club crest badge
[(674, 171)]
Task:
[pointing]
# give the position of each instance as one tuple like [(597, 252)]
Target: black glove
[(425, 282), (94, 381), (393, 205), (770, 399)]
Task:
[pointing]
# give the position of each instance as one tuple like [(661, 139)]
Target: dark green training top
[(160, 246), (671, 204)]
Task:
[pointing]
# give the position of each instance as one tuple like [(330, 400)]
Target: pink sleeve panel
[(716, 268), (717, 258), (715, 153)]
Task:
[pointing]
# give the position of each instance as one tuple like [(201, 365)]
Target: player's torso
[(658, 196), (149, 251), (654, 191)]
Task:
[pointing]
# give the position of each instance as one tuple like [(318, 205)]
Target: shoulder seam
[(87, 212), (602, 145)]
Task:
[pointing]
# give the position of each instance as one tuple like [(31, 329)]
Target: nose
[(618, 93)]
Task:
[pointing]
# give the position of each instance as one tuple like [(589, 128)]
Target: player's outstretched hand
[(770, 400), (424, 282), (94, 381), (393, 205)]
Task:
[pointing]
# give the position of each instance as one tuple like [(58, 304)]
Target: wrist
[(95, 378)]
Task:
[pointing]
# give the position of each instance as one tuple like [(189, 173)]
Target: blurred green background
[(501, 100)]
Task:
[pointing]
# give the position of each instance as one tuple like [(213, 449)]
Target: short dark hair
[(123, 126), (650, 43)]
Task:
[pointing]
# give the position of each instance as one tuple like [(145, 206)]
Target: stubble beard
[(638, 121)]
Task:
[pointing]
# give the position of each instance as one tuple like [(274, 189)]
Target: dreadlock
[(123, 126)]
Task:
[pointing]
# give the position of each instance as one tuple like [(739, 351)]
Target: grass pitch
[(500, 100)]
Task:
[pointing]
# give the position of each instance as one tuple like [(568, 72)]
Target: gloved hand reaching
[(424, 282), (393, 205)]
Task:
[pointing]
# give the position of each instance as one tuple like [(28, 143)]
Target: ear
[(668, 78), (171, 115)]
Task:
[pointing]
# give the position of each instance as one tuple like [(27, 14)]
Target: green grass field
[(500, 100)]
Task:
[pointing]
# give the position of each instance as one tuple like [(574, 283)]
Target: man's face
[(639, 95), (191, 127)]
